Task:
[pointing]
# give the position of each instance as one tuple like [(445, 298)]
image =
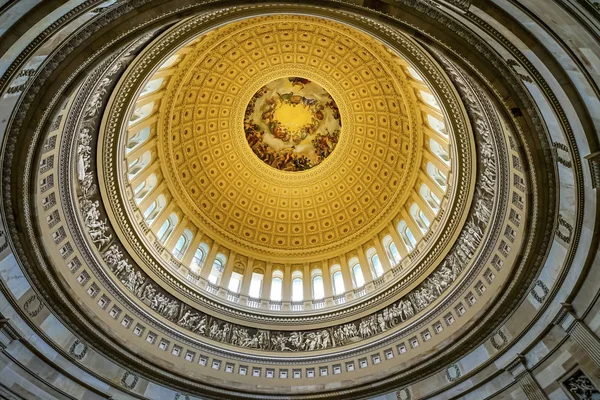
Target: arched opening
[(182, 245), (154, 209), (437, 175), (297, 286), (430, 198), (419, 217), (141, 113), (255, 289), (137, 139), (391, 250), (167, 228), (217, 269), (407, 236), (337, 280), (357, 276), (318, 290), (276, 286)]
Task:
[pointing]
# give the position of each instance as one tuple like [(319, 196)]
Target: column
[(426, 179), (141, 124), (365, 266), (383, 256), (141, 150), (227, 270), (189, 255), (423, 207), (307, 296), (247, 277), (429, 156), (532, 389), (348, 285), (162, 217), (153, 195), (579, 332), (327, 284), (443, 141), (210, 259), (265, 293), (416, 231), (286, 292), (397, 241), (176, 234)]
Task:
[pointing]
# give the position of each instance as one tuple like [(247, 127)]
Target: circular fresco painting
[(292, 124)]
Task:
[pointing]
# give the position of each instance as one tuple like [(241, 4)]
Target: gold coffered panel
[(245, 204)]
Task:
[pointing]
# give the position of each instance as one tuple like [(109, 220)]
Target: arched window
[(436, 125), (407, 237), (357, 276), (137, 139), (430, 99), (396, 258), (170, 62), (337, 280), (430, 198), (235, 282), (419, 217), (141, 113), (144, 188), (276, 286), (391, 250), (439, 151), (217, 269), (138, 164), (377, 267), (256, 284), (414, 73), (167, 228), (152, 86), (437, 175), (182, 244), (154, 209), (199, 257), (297, 286), (318, 290)]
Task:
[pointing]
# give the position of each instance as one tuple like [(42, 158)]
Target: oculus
[(292, 124)]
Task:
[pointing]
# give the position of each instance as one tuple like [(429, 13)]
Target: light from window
[(276, 287), (297, 289), (359, 279), (396, 258), (338, 283), (318, 289), (377, 268), (235, 282), (255, 285)]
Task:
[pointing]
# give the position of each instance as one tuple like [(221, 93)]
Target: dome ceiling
[(292, 201), (240, 201)]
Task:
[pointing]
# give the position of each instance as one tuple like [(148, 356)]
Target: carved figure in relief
[(201, 327)]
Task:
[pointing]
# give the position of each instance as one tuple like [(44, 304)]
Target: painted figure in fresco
[(302, 143)]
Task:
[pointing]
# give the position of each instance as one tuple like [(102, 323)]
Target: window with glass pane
[(318, 289), (377, 268), (180, 247), (338, 283), (359, 279), (255, 285), (198, 259), (164, 230), (276, 286), (215, 274), (297, 289), (235, 282), (395, 254)]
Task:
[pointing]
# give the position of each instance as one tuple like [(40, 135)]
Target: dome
[(287, 200)]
